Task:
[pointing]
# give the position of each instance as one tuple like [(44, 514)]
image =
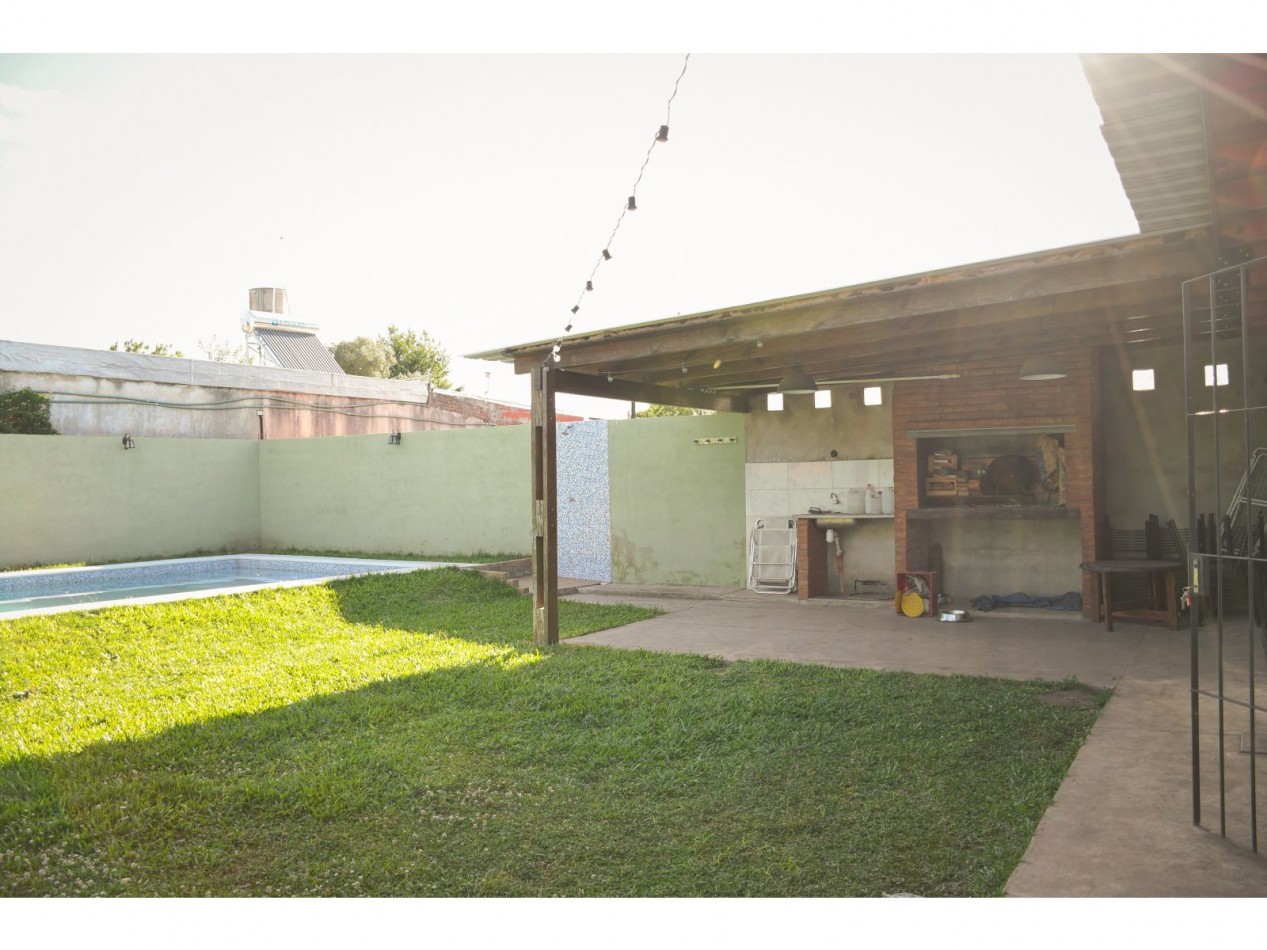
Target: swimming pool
[(54, 590)]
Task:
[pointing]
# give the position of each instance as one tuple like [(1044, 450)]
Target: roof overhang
[(1123, 292), (1188, 133)]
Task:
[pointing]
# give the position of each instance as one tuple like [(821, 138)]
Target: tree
[(417, 357), (401, 354), (655, 410), (158, 349), (25, 412), (224, 352), (363, 357)]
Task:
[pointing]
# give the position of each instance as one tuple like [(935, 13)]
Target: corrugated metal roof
[(1153, 126), (297, 350)]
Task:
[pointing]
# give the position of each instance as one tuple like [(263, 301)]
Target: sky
[(469, 193)]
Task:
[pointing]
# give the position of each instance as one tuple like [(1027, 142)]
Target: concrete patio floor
[(1121, 823)]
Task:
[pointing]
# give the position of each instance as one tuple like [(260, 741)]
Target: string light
[(631, 204)]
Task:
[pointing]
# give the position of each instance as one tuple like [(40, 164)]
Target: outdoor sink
[(831, 519), (834, 520)]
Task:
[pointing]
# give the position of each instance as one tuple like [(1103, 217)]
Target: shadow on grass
[(580, 772)]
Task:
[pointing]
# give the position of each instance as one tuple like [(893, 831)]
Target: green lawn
[(398, 735)]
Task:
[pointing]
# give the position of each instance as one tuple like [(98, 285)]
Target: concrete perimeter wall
[(454, 492), (70, 499), (676, 507)]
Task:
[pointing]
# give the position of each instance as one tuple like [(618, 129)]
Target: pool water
[(28, 593)]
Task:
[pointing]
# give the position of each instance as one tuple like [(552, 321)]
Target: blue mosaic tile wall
[(584, 501)]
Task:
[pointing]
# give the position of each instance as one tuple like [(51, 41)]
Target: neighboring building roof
[(76, 361), (36, 364), (292, 350)]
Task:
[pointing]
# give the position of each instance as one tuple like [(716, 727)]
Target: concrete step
[(517, 567), (567, 585), (518, 574)]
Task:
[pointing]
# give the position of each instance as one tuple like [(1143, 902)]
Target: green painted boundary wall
[(458, 492), (677, 508), (66, 499)]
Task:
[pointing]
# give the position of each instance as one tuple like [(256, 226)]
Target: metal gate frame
[(1223, 318)]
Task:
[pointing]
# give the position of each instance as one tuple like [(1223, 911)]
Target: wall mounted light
[(1042, 367), (127, 441), (394, 438)]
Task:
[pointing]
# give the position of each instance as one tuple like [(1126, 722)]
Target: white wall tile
[(758, 475), (809, 475), (885, 473), (766, 501), (800, 500), (855, 473)]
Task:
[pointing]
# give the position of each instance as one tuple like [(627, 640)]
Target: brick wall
[(989, 394)]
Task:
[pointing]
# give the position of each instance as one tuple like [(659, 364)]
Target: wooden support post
[(545, 512)]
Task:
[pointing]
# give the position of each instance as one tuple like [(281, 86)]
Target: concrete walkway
[(1121, 824)]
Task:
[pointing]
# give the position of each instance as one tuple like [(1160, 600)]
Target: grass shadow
[(510, 771)]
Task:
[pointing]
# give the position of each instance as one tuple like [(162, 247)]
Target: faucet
[(834, 499)]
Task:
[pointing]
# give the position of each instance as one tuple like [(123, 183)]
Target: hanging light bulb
[(576, 308), (606, 254), (663, 134), (589, 285), (716, 364), (632, 205), (610, 377), (568, 328)]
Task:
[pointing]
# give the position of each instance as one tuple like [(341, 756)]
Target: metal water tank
[(267, 299)]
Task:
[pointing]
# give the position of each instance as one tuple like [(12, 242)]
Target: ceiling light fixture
[(1042, 367), (796, 382)]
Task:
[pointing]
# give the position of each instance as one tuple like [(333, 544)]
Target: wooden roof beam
[(1176, 260), (952, 329)]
